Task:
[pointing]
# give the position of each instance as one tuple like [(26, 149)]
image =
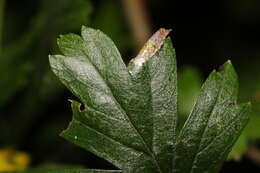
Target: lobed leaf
[(214, 125), (125, 120), (128, 114)]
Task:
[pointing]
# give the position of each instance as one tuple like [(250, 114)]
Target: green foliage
[(2, 9), (18, 60), (189, 84), (128, 114), (72, 171), (213, 126), (110, 19), (251, 132), (24, 69)]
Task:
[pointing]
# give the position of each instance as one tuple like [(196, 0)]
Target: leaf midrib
[(99, 132), (228, 127), (204, 129), (121, 108)]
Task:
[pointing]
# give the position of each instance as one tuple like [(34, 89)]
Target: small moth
[(151, 46)]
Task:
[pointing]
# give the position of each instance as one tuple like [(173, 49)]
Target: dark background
[(205, 35)]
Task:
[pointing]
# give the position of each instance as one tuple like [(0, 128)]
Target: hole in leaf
[(82, 107)]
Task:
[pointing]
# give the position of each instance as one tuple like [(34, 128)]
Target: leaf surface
[(213, 126), (128, 114), (125, 120)]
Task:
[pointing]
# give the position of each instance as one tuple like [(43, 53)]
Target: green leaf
[(249, 135), (213, 126), (124, 122), (128, 114)]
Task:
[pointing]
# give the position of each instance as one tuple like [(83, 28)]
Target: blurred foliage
[(250, 87), (43, 168), (26, 80), (189, 84), (110, 20), (29, 86), (12, 160), (24, 57)]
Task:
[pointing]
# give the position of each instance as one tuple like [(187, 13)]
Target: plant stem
[(139, 20), (253, 153), (2, 9)]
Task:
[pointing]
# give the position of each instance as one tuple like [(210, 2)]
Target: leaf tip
[(226, 66), (51, 59), (59, 39), (229, 62), (70, 100), (85, 28)]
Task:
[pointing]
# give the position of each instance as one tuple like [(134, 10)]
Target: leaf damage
[(130, 120), (152, 46)]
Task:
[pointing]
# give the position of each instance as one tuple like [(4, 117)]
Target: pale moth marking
[(151, 46)]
